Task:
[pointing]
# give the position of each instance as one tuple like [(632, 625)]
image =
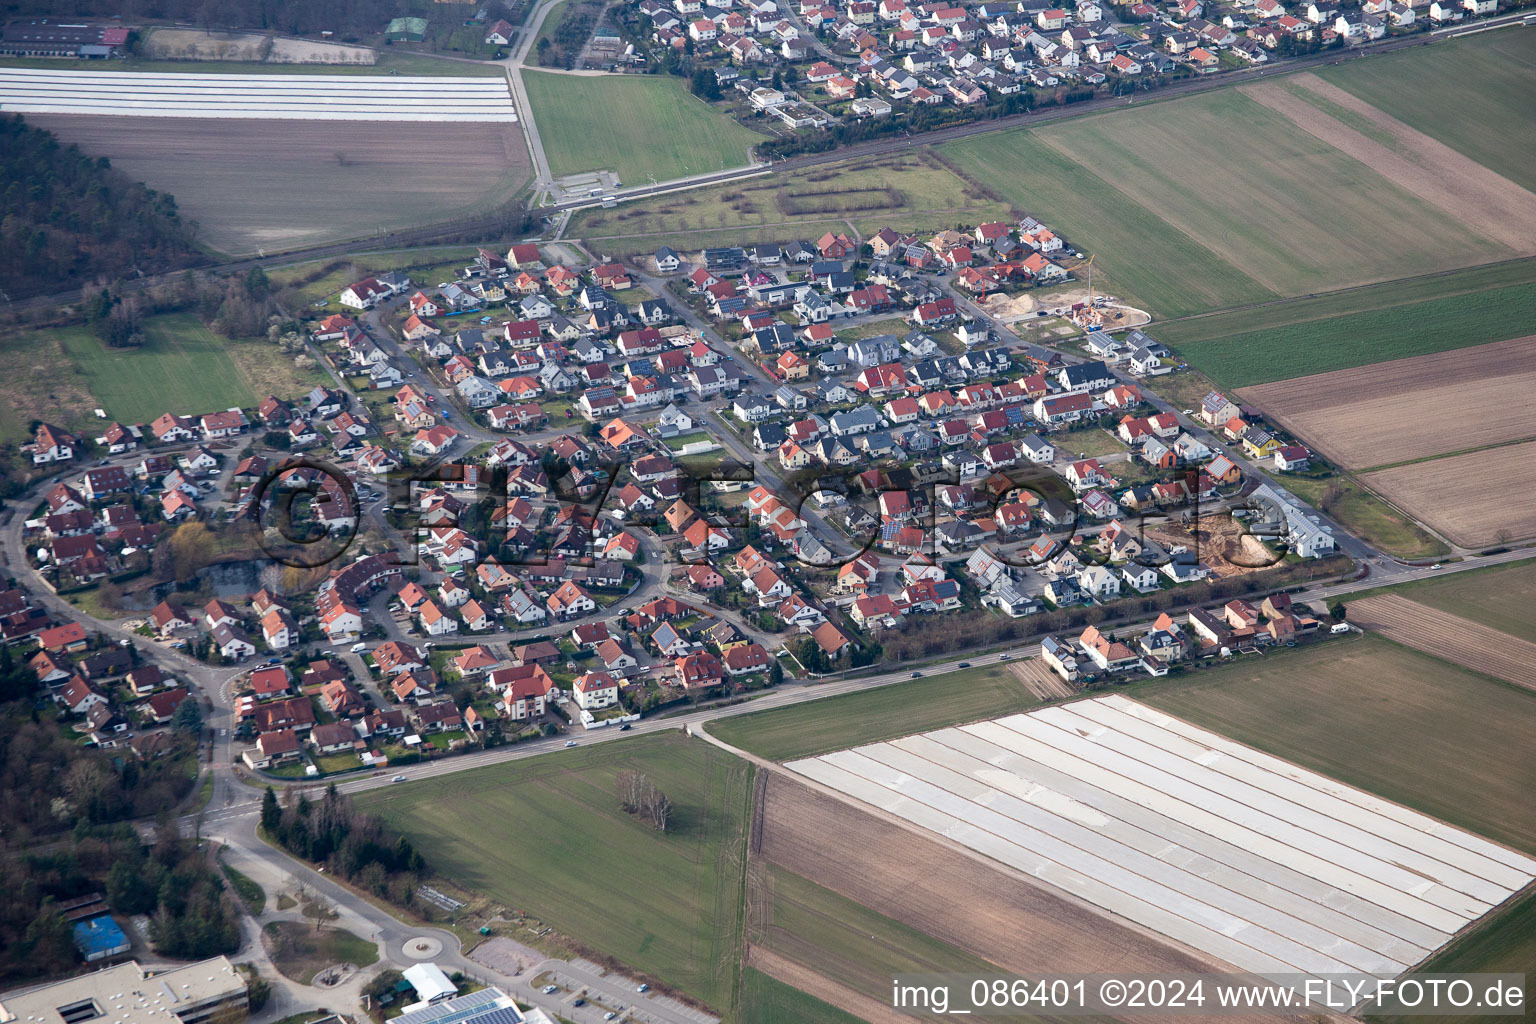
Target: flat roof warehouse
[(128, 994)]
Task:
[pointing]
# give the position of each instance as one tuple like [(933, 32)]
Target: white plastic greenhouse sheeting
[(1267, 866), (274, 97)]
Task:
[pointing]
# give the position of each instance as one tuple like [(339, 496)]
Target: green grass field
[(1381, 717), (883, 713), (547, 836), (1356, 339), (247, 889), (1209, 202), (766, 1000), (182, 368), (1434, 88), (641, 126), (1501, 597)]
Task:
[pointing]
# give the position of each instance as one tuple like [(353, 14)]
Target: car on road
[(431, 399), (964, 664), (551, 989), (626, 727), (398, 778), (1435, 566), (1004, 656), (917, 675), (570, 743)]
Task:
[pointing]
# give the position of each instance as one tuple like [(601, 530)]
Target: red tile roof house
[(746, 659), (272, 748), (69, 637)]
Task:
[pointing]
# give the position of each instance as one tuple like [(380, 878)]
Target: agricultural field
[(966, 902), (816, 727), (1208, 202), (766, 1000), (1407, 409), (1090, 795), (833, 935), (1501, 597), (1390, 330), (182, 367), (390, 61), (1474, 197), (274, 185), (1464, 642), (641, 126), (1382, 718), (1433, 88), (912, 192), (668, 905), (1477, 499)]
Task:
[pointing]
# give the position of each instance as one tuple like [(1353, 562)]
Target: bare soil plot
[(283, 184), (1464, 642), (1476, 500), (195, 44), (1220, 542), (822, 987), (1474, 196), (1410, 408)]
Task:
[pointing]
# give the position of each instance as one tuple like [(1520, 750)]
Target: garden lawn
[(641, 126), (548, 838), (883, 713)]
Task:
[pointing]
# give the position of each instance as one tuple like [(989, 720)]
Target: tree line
[(352, 844), (69, 217)]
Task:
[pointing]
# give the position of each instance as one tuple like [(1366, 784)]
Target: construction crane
[(1089, 267)]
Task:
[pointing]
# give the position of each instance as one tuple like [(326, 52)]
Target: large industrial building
[(129, 994)]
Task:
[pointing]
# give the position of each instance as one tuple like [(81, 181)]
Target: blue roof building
[(100, 938)]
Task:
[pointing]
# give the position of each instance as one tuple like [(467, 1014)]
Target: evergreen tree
[(271, 814)]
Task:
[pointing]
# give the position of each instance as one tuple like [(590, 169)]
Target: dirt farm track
[(280, 184), (1404, 409), (1457, 640)]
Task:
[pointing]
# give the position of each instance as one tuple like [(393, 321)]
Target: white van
[(359, 648)]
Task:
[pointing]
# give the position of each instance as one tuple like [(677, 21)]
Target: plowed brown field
[(1410, 408), (1451, 637), (283, 184), (1476, 500)]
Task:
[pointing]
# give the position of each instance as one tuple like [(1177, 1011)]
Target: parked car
[(551, 989)]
